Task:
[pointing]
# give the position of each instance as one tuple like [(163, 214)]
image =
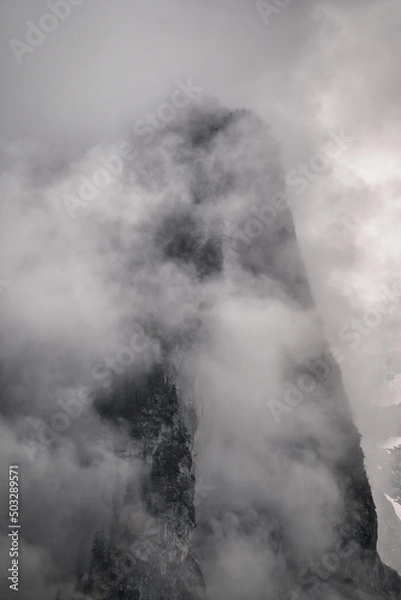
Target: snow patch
[(391, 443), (396, 506)]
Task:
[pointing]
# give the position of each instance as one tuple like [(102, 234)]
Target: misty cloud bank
[(131, 232)]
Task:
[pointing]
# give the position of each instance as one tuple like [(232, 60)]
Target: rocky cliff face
[(303, 523), (149, 555)]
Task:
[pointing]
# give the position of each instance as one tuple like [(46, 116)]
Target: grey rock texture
[(161, 548)]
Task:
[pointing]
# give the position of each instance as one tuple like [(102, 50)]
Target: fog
[(83, 278)]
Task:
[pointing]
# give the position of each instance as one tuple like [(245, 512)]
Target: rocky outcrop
[(151, 554)]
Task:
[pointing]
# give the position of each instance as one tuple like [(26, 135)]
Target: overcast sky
[(314, 71)]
